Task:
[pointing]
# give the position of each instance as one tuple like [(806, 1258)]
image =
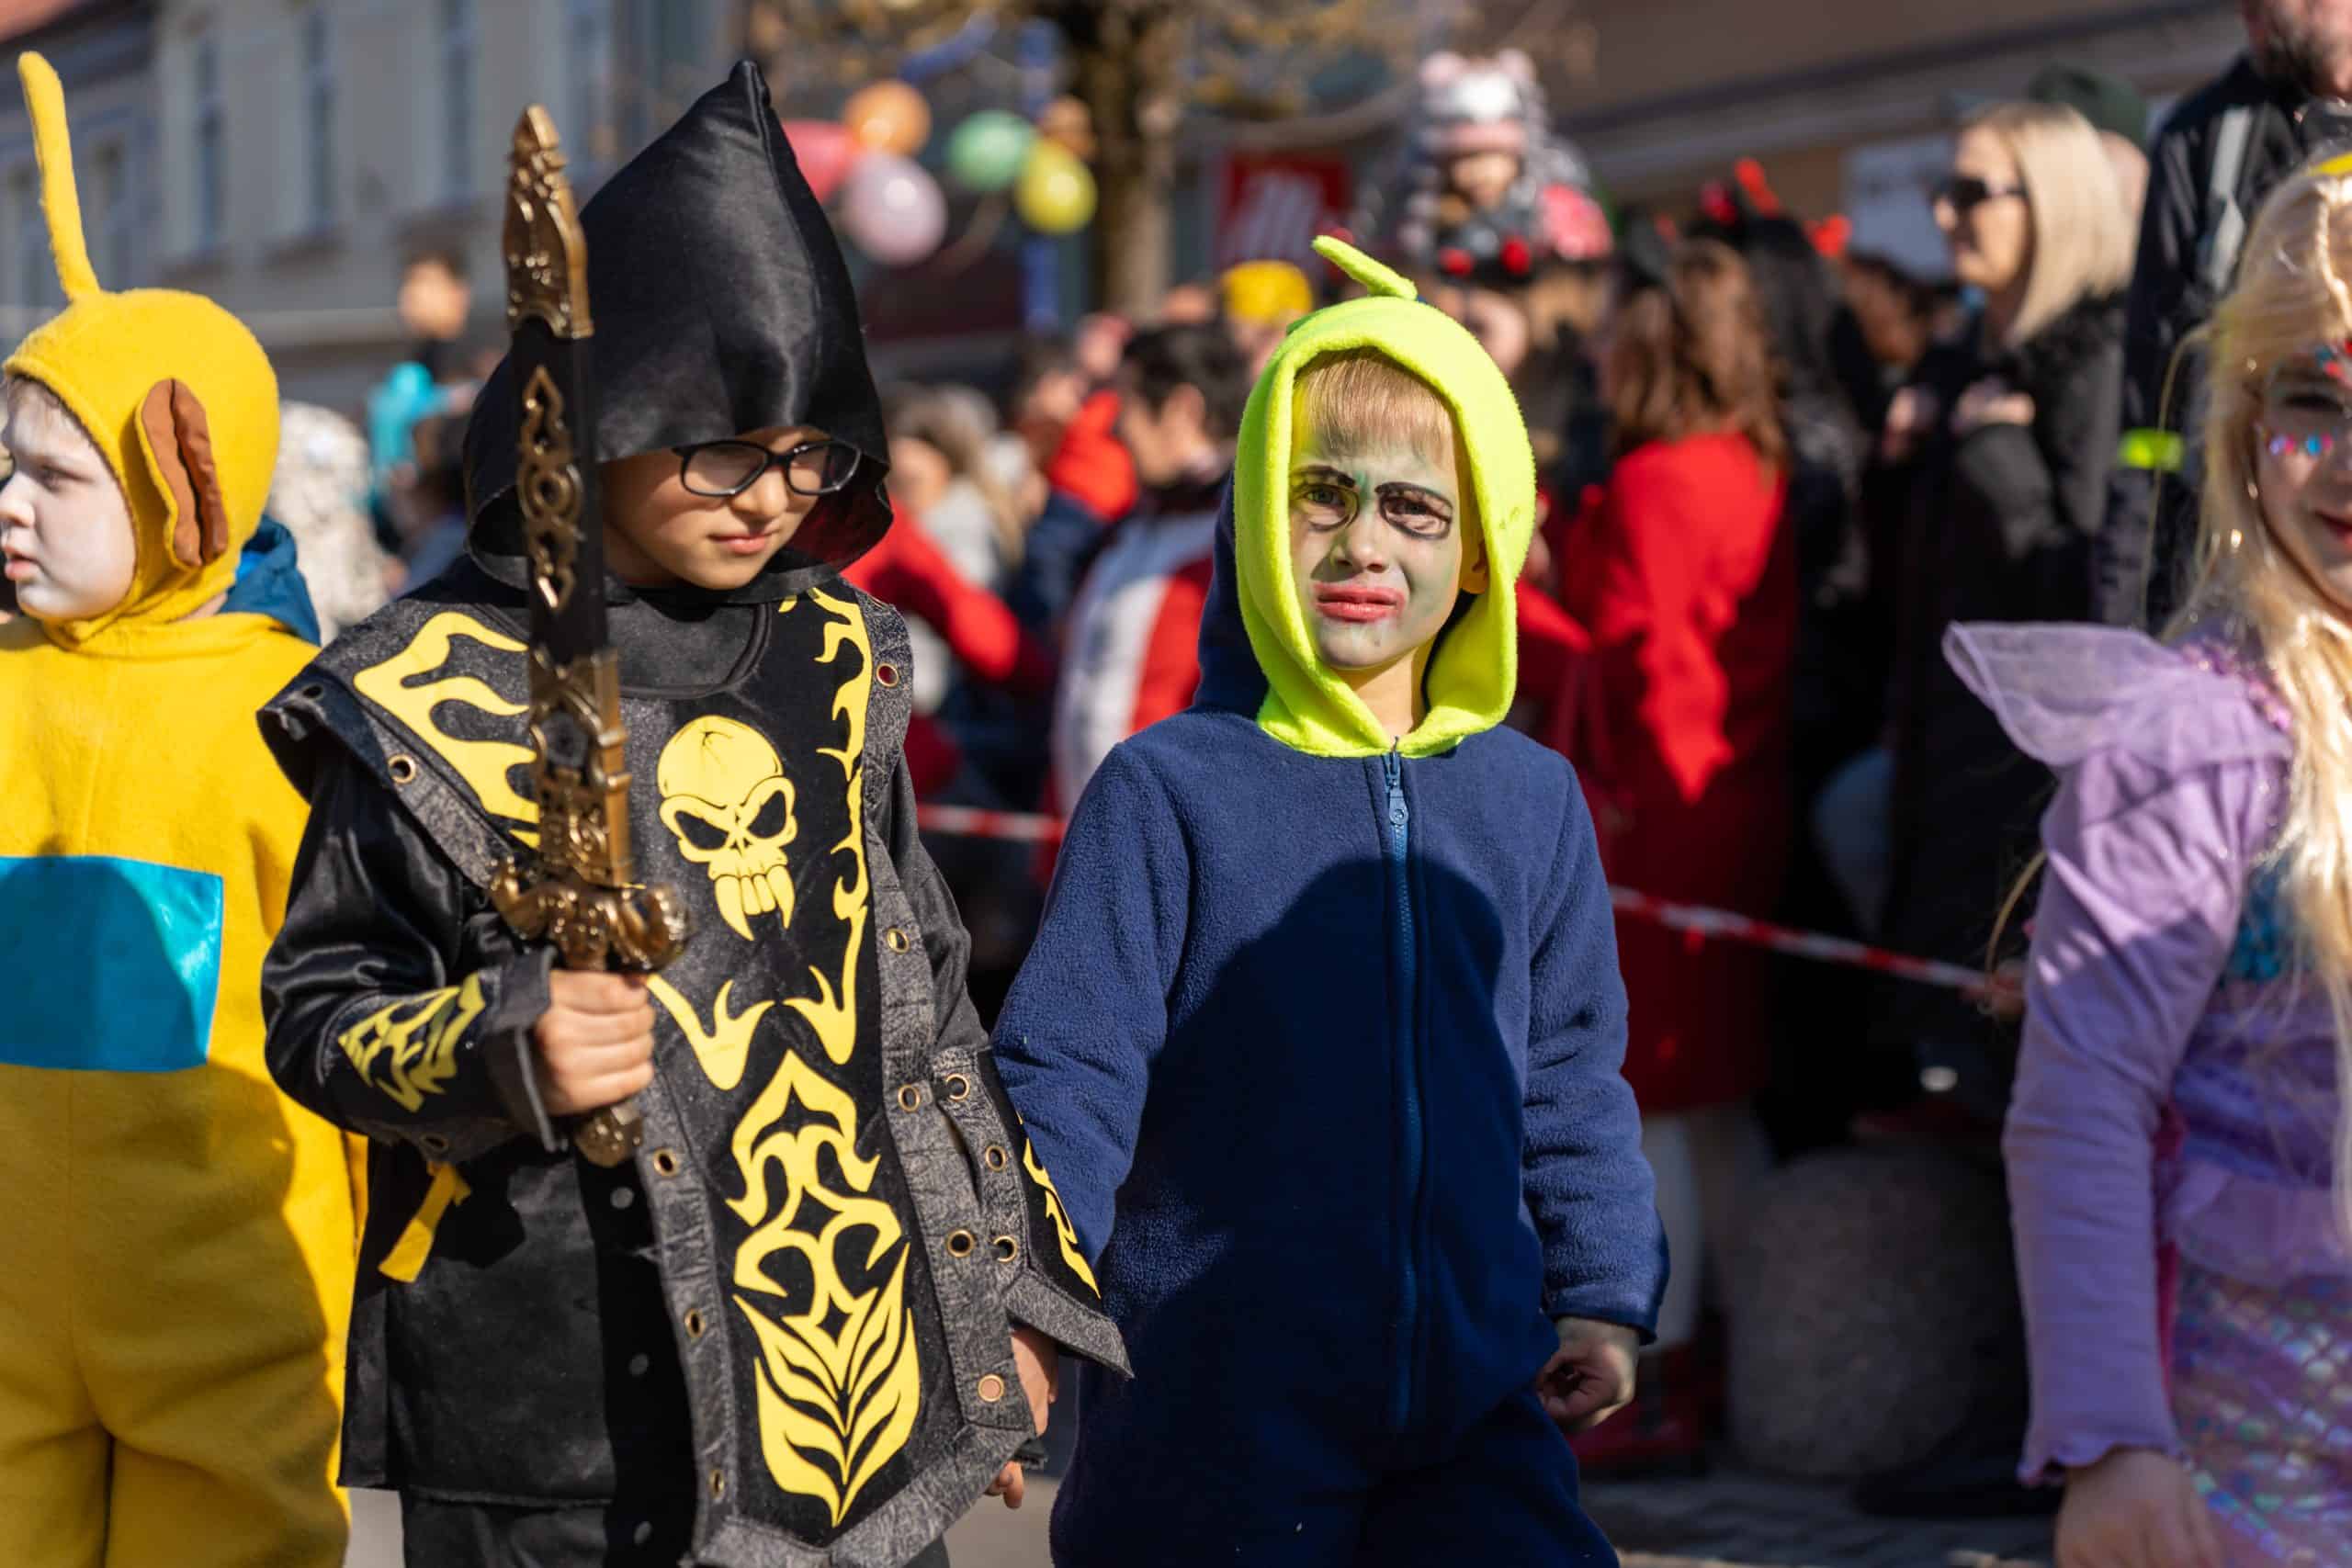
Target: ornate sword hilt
[(578, 894)]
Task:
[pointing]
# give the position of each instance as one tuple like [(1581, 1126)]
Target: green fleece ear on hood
[(1474, 672)]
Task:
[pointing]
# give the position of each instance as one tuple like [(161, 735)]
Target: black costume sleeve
[(2136, 549), (399, 1004), (1048, 1286)]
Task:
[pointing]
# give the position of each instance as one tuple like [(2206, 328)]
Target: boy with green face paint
[(1321, 1035)]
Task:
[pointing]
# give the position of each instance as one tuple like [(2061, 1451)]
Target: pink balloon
[(824, 150), (892, 210)]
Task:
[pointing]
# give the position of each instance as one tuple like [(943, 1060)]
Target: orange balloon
[(888, 116), (1069, 121)]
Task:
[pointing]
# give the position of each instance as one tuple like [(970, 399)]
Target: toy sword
[(578, 893)]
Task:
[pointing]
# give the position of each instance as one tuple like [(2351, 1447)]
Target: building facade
[(105, 52), (1849, 104), (288, 156)]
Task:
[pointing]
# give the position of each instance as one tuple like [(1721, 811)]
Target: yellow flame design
[(834, 1014), (1064, 1231), (723, 1047), (483, 764), (409, 1049), (839, 1380)]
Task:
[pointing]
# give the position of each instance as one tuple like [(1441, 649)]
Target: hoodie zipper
[(1409, 1095)]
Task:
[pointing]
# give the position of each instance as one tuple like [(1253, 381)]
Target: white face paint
[(66, 532)]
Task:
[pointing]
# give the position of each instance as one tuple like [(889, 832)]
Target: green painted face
[(1380, 550), (1326, 694)]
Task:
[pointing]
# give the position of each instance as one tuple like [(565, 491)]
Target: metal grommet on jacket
[(995, 1158), (911, 1097), (958, 1087), (665, 1162), (401, 767), (895, 939), (991, 1388), (960, 1244), (1008, 1251)]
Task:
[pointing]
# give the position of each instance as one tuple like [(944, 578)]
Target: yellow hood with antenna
[(176, 391), (1474, 672)]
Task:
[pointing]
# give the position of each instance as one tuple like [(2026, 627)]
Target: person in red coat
[(1683, 572), (909, 572)]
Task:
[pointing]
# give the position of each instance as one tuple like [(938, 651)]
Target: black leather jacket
[(2143, 552)]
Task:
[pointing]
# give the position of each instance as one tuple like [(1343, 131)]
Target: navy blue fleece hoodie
[(1324, 1050)]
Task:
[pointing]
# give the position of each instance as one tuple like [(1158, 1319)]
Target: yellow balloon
[(888, 116), (1055, 195)]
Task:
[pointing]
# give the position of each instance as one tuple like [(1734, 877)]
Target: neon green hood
[(1474, 673)]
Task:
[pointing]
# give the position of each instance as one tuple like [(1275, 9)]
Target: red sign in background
[(1274, 206)]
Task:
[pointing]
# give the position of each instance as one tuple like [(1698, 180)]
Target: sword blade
[(580, 894)]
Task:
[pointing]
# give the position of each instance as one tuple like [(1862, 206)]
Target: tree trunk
[(1128, 58)]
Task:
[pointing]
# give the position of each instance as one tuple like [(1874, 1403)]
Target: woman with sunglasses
[(1989, 517), (1980, 506)]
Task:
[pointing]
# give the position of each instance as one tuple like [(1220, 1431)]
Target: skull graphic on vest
[(726, 800)]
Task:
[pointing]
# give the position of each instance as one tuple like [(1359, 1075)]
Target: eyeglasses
[(1325, 504), (723, 468), (1965, 193)]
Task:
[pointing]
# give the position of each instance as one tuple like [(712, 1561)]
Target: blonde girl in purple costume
[(2180, 1151)]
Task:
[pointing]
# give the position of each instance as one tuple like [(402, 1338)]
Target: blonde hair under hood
[(2291, 295)]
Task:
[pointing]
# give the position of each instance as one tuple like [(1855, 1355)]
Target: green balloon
[(988, 152)]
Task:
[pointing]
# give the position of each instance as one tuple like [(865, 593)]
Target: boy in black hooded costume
[(801, 1328)]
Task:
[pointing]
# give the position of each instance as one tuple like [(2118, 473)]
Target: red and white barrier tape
[(964, 822), (1704, 923), (1017, 827)]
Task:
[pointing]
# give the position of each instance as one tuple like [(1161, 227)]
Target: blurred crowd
[(1774, 468)]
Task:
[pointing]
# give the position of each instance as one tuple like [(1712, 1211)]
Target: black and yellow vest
[(846, 1214)]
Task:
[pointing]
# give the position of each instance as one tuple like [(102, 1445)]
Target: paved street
[(1729, 1519), (1753, 1521)]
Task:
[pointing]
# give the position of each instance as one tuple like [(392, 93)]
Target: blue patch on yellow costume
[(73, 920)]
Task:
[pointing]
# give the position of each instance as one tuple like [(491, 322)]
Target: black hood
[(722, 305)]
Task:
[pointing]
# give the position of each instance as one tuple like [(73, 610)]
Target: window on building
[(317, 117), (670, 47), (679, 41), (110, 206), (588, 125), (458, 69), (36, 277), (210, 145)]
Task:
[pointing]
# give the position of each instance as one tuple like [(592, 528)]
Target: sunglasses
[(1966, 193), (722, 468)]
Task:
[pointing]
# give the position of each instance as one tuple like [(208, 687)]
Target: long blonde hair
[(2082, 234), (2291, 294)]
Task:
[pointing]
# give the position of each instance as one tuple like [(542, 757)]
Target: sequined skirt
[(2262, 1393)]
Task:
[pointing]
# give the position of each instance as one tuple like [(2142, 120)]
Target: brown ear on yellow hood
[(179, 451)]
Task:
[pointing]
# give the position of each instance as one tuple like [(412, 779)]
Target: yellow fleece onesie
[(176, 1237)]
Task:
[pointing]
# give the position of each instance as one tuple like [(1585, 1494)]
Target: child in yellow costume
[(176, 1239)]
